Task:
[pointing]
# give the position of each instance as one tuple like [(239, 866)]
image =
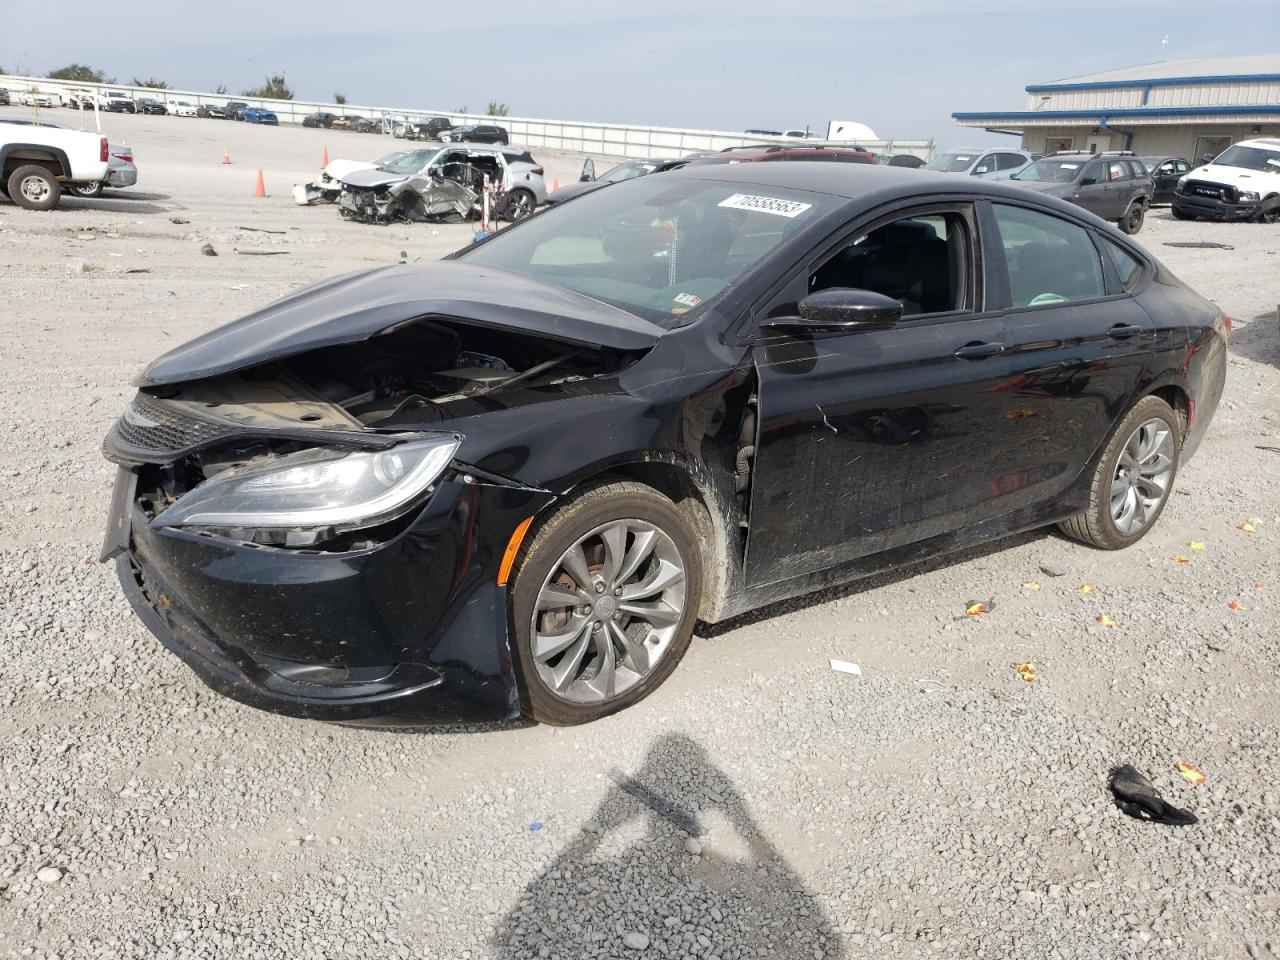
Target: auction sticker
[(774, 205)]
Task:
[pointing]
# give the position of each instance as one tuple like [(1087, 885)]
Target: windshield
[(952, 162), (656, 247), (625, 171), (409, 162), (1050, 171), (1250, 158)]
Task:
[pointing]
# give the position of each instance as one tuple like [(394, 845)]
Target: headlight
[(315, 488), (1249, 196)]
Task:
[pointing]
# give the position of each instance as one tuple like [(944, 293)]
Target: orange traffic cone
[(261, 189), (226, 155), (555, 184), (324, 158)]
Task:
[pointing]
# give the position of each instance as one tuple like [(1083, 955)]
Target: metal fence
[(603, 139)]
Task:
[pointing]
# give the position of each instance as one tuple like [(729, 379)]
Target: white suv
[(1240, 183)]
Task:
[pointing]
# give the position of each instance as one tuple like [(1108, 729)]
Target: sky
[(900, 66)]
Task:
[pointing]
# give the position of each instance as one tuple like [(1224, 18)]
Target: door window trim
[(745, 330)]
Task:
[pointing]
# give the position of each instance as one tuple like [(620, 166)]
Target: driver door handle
[(978, 350), (1122, 331)]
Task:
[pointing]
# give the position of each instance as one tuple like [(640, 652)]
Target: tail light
[(538, 171), (102, 151), (126, 157)]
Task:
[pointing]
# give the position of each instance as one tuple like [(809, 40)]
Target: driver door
[(874, 439)]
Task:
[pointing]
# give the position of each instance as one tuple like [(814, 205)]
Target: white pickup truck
[(37, 160)]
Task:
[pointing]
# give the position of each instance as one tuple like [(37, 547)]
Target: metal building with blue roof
[(1185, 108)]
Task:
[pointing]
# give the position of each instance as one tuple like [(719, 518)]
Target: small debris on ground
[(207, 250), (844, 666), (1190, 773)]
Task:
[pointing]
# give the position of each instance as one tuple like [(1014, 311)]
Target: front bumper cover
[(414, 630), (1213, 209)]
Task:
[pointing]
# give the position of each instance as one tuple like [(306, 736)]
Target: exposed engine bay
[(451, 192)]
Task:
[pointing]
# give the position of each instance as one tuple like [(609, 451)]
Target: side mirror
[(840, 310), (588, 171), (1088, 181)]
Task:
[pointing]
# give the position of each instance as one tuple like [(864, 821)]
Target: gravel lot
[(937, 805)]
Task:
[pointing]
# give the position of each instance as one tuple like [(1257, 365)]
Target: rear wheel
[(1132, 480), (518, 204), (604, 603), (1131, 222), (87, 189), (34, 188)]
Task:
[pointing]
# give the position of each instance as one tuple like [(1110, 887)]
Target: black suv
[(1114, 186), (235, 109), (430, 129), (477, 133)]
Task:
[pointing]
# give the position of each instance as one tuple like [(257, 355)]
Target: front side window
[(921, 261), (1050, 260), (658, 248)]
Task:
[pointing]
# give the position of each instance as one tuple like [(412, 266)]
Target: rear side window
[(1117, 170), (1050, 260), (1128, 267), (1137, 169)]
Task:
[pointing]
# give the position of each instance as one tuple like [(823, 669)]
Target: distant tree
[(463, 110), (339, 98), (78, 72), (153, 83), (496, 109), (221, 90), (274, 89)]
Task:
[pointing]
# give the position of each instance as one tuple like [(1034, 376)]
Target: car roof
[(749, 154), (853, 181)]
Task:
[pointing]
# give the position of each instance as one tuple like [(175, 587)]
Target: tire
[(1132, 220), (34, 188), (87, 189), (1181, 214), (606, 635), (1097, 524), (1269, 214), (517, 205)]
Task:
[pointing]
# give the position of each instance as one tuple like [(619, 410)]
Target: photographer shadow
[(671, 864)]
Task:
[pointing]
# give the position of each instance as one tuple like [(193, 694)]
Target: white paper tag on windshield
[(774, 205)]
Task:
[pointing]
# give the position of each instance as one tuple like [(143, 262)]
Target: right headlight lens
[(315, 489)]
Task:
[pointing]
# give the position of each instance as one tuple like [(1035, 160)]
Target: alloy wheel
[(1142, 476), (608, 611), (521, 206)]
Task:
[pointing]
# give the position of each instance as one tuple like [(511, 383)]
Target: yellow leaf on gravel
[(1197, 546), (1106, 621), (1247, 527), (1031, 585), (1027, 671), (976, 609), (1181, 558), (1235, 605), (1085, 588), (1190, 773)]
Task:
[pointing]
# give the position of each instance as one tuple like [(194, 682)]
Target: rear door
[(1080, 343), (874, 439)]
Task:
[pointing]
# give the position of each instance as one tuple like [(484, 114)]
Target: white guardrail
[(604, 139)]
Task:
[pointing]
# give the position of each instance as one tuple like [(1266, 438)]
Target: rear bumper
[(412, 631), (1211, 209), (122, 178)]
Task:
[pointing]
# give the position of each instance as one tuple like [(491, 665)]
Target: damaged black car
[(513, 481)]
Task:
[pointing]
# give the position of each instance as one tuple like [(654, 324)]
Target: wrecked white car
[(444, 183), (329, 186)]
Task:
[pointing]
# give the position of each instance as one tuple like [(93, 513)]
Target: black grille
[(1212, 191), (150, 425)]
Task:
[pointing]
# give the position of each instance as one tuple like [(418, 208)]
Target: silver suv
[(990, 163)]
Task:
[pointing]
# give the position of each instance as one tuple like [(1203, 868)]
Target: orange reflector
[(513, 547)]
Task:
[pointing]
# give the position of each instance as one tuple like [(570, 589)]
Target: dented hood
[(371, 178), (357, 306)]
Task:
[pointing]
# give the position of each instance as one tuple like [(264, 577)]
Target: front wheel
[(1132, 480), (34, 188), (604, 603), (1132, 220)]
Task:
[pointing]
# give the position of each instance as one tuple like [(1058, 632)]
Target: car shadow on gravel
[(671, 864), (109, 204), (874, 582), (1258, 340)]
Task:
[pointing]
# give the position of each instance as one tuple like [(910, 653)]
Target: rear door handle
[(977, 351), (1122, 331)]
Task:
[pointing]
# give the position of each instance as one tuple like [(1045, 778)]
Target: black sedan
[(152, 106), (513, 481), (1165, 174), (319, 119)]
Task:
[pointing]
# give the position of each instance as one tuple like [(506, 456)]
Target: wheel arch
[(1177, 397), (54, 159)]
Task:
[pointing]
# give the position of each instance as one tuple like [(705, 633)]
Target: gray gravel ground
[(758, 805)]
